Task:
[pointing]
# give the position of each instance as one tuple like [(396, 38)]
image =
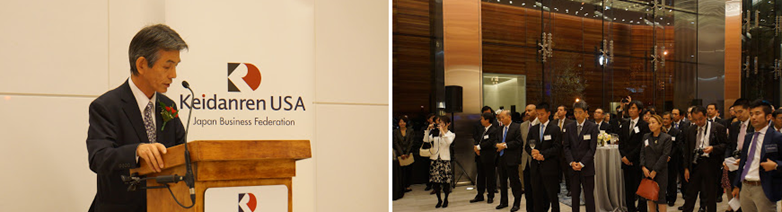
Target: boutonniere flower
[(167, 113)]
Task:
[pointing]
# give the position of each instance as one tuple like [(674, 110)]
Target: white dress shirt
[(754, 169), (142, 101), (485, 129)]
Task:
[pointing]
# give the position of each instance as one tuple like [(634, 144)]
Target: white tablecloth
[(609, 183)]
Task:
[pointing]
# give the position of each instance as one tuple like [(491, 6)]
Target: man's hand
[(687, 175), (737, 161), (708, 149), (540, 157), (626, 161), (477, 152), (646, 171), (736, 192), (769, 165), (500, 147), (153, 154), (652, 174), (725, 166), (669, 159)]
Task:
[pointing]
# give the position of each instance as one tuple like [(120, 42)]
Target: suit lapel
[(159, 119), (130, 108), (766, 140)]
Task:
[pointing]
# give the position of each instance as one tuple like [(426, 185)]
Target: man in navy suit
[(602, 125), (544, 169), (125, 123), (580, 143), (758, 185), (674, 160), (509, 152)]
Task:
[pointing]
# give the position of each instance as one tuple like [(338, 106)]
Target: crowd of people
[(708, 158)]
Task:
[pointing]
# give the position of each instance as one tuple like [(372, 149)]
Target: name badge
[(564, 129), (771, 148), (587, 137), (636, 129), (673, 138), (602, 131), (486, 137), (547, 137), (646, 142)]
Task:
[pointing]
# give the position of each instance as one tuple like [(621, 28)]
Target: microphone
[(189, 178)]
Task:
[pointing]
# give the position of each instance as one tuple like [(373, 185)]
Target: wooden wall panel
[(412, 58)]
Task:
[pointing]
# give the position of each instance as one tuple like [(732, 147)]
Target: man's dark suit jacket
[(512, 154), (605, 126), (116, 129), (733, 136), (630, 141), (677, 138), (581, 147), (550, 149), (489, 144), (718, 139), (770, 181), (567, 121)]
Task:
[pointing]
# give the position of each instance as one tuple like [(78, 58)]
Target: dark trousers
[(673, 172), (566, 170), (529, 193), (545, 188), (509, 173), (632, 177), (486, 176), (588, 182), (407, 175), (703, 176)]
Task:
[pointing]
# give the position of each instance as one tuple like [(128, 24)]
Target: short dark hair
[(651, 112), (715, 106), (429, 116), (761, 103), (565, 106), (580, 105), (543, 105), (776, 112), (488, 116), (600, 108), (149, 40), (637, 104), (698, 109), (667, 113), (741, 102), (680, 111), (652, 108), (484, 108), (405, 119)]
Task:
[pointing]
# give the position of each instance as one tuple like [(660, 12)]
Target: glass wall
[(761, 49)]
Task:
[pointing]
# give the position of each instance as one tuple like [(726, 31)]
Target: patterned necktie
[(148, 122), (505, 133), (699, 142), (750, 156), (632, 127), (578, 132)]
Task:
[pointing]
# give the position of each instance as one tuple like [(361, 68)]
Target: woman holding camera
[(655, 149), (440, 169)]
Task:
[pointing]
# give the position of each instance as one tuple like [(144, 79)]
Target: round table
[(609, 183)]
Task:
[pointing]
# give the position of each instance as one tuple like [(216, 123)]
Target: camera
[(435, 131), (624, 100), (736, 154), (696, 155)]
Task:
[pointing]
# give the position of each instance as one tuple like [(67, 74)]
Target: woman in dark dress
[(403, 145), (655, 149)]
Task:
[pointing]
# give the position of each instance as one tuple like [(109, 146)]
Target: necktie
[(542, 127), (632, 128), (676, 125), (148, 123), (578, 132), (750, 156), (742, 134), (505, 133), (699, 143), (561, 121)]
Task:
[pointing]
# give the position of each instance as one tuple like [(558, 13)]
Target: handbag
[(648, 189), (424, 150)]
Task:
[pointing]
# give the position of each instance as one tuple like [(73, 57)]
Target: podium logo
[(247, 202), (252, 78)]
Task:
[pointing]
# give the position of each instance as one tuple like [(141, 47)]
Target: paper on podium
[(734, 204), (731, 163)]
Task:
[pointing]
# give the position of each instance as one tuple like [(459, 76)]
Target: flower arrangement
[(603, 138)]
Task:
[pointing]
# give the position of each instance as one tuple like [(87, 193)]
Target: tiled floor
[(420, 200)]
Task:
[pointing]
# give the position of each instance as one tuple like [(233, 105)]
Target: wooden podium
[(227, 163)]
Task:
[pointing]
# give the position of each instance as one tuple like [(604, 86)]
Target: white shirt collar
[(582, 123), (635, 120), (141, 98), (745, 123), (544, 124), (763, 131), (535, 122), (487, 127)]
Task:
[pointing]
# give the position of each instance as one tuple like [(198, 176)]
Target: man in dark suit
[(681, 123), (560, 118), (602, 125), (705, 144), (674, 160), (630, 134), (758, 186), (679, 120), (737, 133), (544, 169), (509, 151), (713, 114), (125, 123), (580, 143), (526, 158), (486, 156)]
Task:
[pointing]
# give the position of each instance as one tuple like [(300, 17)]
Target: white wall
[(57, 56), (351, 91)]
